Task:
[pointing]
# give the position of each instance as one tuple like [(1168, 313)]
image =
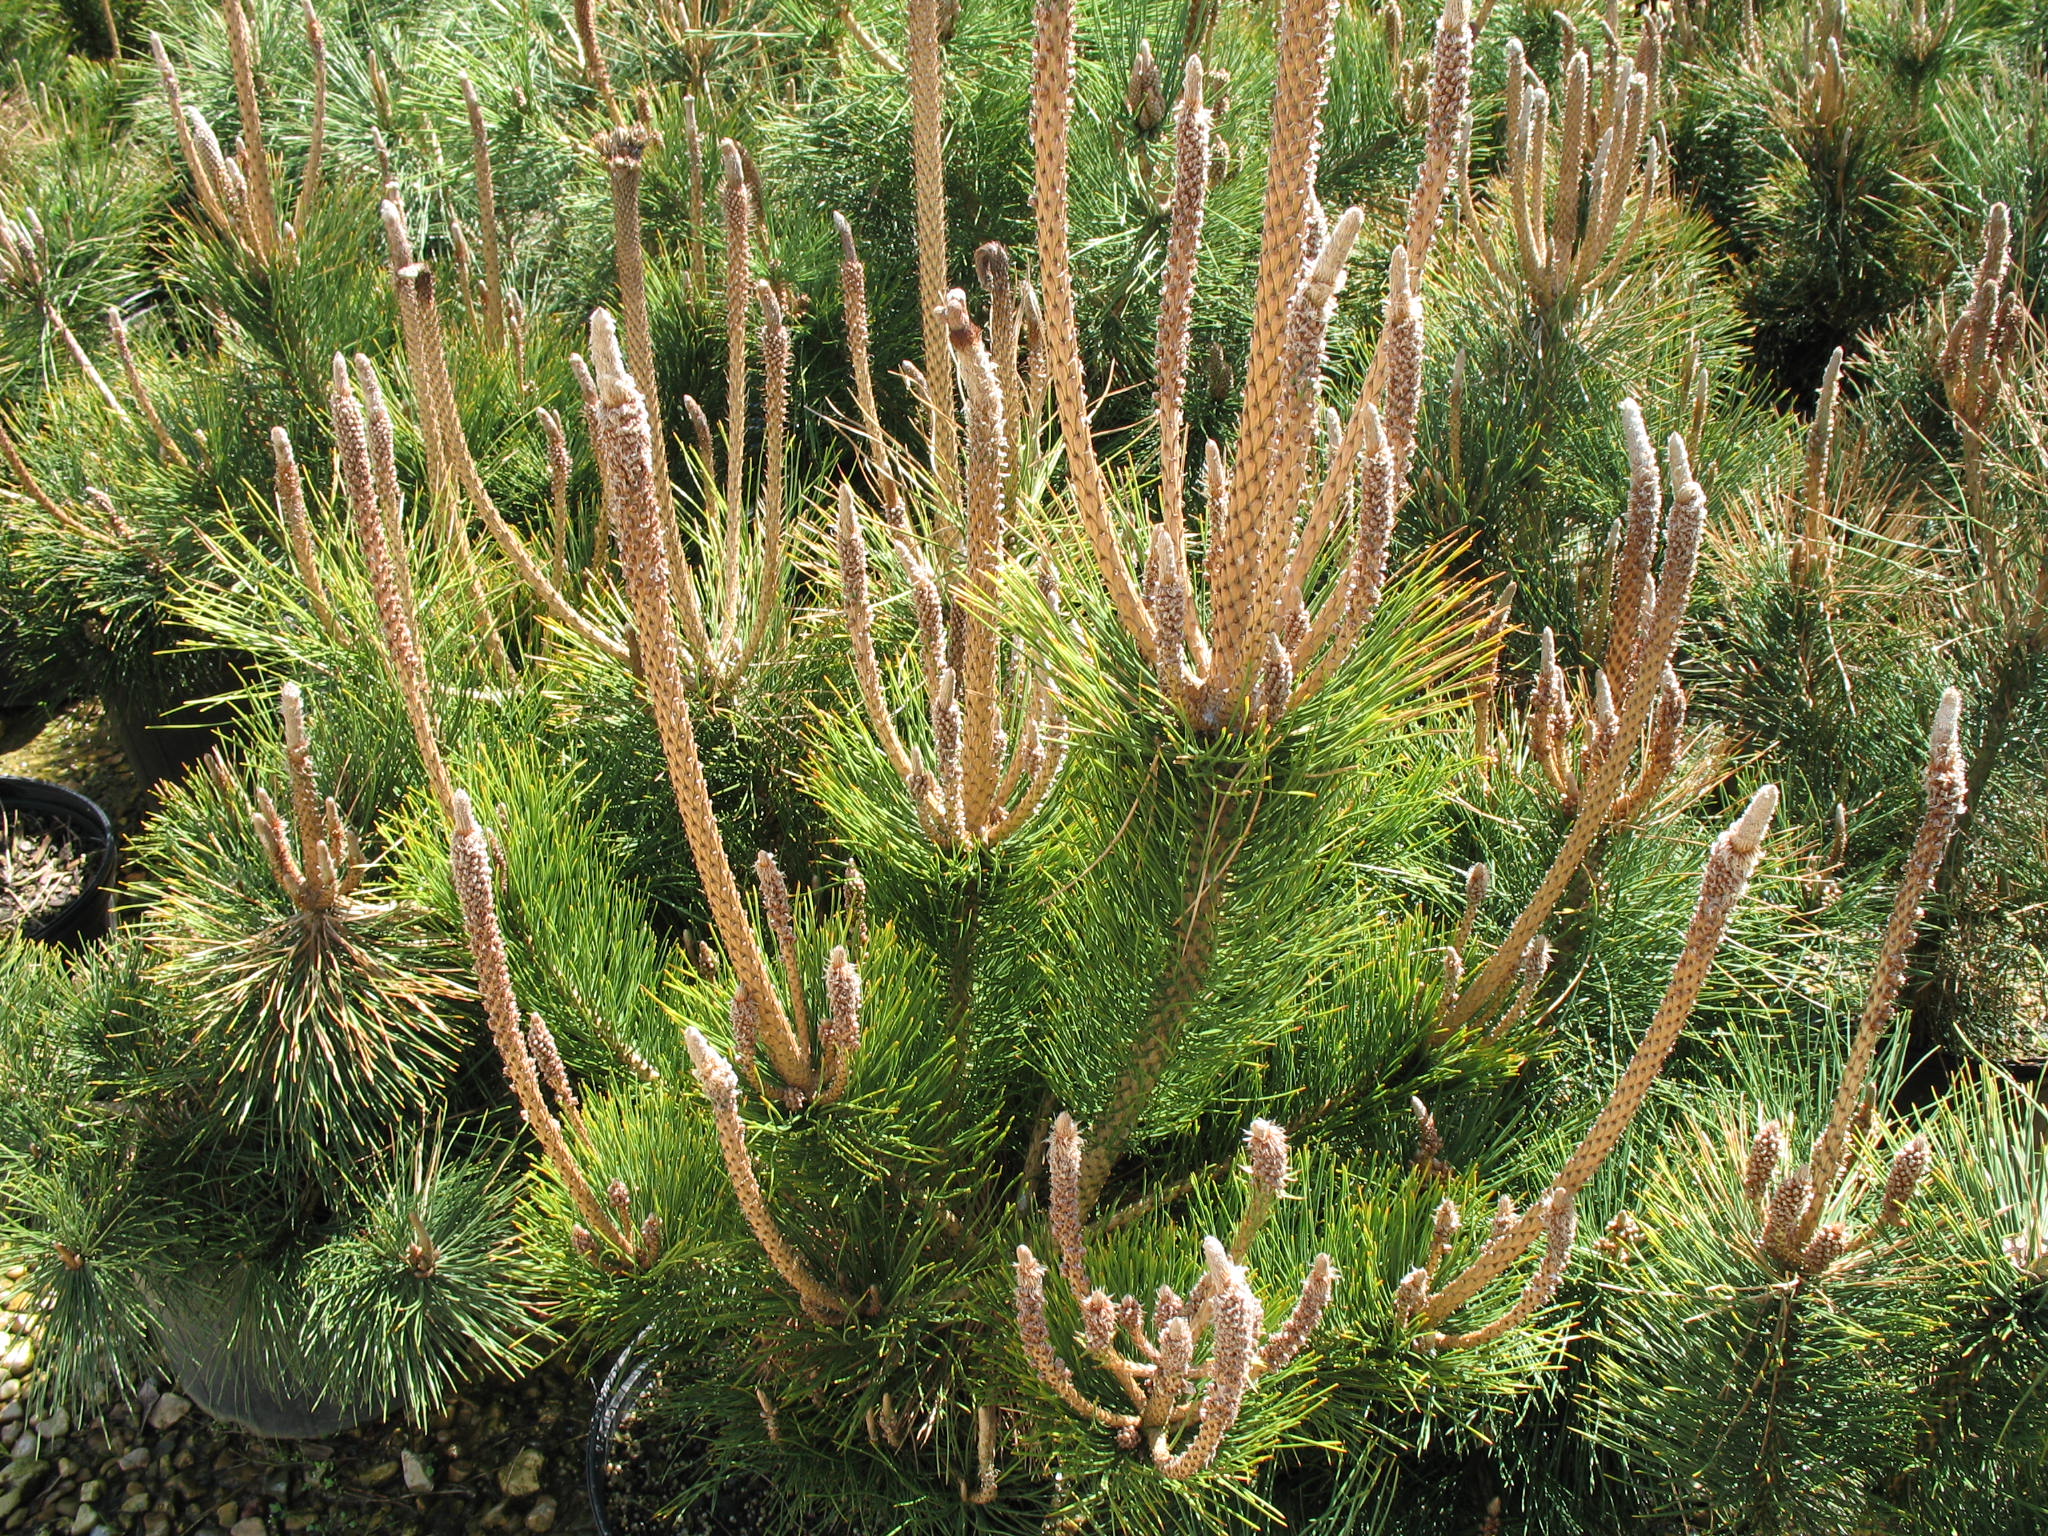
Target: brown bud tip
[(1478, 881), (992, 266), (848, 251), (734, 162)]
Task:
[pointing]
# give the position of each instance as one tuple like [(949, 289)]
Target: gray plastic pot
[(236, 1366)]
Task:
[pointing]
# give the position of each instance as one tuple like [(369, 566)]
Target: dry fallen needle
[(42, 868)]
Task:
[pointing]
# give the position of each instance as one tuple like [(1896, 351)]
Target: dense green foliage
[(287, 1109)]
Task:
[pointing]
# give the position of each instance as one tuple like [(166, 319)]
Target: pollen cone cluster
[(1177, 1406), (1552, 1217), (1793, 1230), (313, 853)]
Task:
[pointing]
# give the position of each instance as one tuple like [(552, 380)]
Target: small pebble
[(167, 1411), (521, 1476), (542, 1516), (253, 1526), (417, 1478)]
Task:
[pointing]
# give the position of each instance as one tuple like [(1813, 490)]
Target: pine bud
[(1428, 1141), (1268, 1144), (1827, 1246), (842, 992), (746, 1028), (1412, 1294), (1505, 1218), (1766, 1153), (1909, 1167), (1169, 1306), (1063, 1167), (1308, 1311), (1786, 1210), (1098, 1322), (1448, 1223), (1145, 99), (1623, 1233)]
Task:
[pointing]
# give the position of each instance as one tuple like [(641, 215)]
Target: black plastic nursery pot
[(618, 1394), (85, 916)]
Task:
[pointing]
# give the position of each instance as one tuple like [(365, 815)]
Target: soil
[(43, 867), (645, 1450)]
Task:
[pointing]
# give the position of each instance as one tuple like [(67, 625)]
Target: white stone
[(417, 1478)]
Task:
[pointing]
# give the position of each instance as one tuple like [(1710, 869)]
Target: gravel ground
[(504, 1458)]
